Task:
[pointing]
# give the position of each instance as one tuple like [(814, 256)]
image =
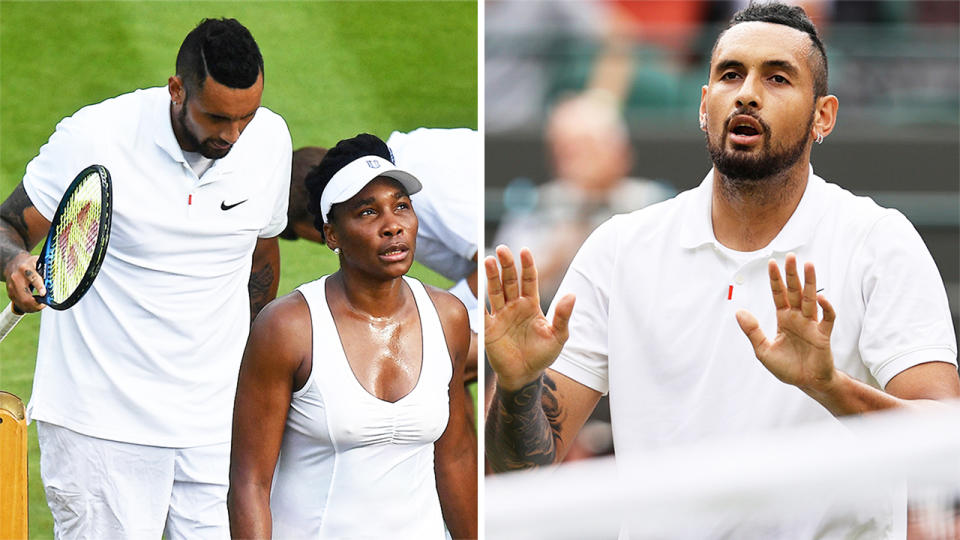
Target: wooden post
[(13, 467)]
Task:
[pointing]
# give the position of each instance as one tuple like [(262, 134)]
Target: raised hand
[(519, 341), (800, 353)]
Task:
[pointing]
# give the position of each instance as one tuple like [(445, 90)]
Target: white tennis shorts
[(98, 488)]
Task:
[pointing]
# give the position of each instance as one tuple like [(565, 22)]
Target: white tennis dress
[(352, 465)]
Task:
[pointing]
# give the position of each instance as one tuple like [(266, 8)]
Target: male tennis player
[(134, 385), (666, 295)]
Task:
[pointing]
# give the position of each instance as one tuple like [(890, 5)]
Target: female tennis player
[(350, 419)]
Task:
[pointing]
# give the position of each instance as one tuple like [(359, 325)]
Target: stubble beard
[(761, 175), (203, 148)]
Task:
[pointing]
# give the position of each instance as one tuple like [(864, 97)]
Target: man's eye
[(780, 79), (367, 212), (729, 75)]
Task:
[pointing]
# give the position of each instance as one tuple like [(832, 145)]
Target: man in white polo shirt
[(133, 391), (673, 302)]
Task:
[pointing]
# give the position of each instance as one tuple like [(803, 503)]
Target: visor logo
[(373, 164)]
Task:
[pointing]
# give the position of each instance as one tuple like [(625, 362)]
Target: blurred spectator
[(591, 157), (520, 65)]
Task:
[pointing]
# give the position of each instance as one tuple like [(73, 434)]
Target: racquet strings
[(75, 239)]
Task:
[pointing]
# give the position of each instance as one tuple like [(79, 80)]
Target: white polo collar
[(697, 224), (164, 136)]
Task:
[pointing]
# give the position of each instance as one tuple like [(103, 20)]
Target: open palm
[(800, 353), (520, 343)]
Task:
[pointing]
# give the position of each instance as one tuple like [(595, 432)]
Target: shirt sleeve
[(584, 357), (281, 184), (52, 170), (907, 317), (447, 162)]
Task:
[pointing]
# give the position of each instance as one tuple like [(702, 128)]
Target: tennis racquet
[(75, 245)]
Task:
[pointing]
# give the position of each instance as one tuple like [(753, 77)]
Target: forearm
[(264, 275), (845, 395), (14, 227), (248, 507), (457, 487), (523, 427), (11, 245), (918, 387)]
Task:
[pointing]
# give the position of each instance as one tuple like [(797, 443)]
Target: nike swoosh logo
[(225, 207)]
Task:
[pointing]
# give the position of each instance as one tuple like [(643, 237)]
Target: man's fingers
[(776, 286), (829, 315), (561, 316), (21, 286), (751, 327), (793, 281), (508, 272), (36, 281), (528, 276), (494, 289), (808, 304)]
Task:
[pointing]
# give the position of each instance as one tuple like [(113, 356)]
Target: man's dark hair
[(794, 17), (337, 157), (222, 49)]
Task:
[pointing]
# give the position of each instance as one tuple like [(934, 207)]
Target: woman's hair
[(337, 157)]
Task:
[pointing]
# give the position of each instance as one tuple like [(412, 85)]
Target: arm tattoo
[(259, 286), (14, 234), (523, 427)]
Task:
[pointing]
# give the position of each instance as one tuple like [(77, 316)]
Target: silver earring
[(336, 250), (819, 138)]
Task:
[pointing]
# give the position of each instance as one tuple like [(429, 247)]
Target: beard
[(742, 169), (205, 147)]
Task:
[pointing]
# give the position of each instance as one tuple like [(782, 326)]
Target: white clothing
[(150, 355), (198, 162), (448, 164), (355, 466), (106, 489), (461, 290), (654, 319)]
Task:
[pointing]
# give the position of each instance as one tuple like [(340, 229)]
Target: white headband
[(352, 178)]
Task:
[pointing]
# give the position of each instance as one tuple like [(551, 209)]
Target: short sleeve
[(280, 183), (447, 163), (584, 357), (49, 174), (907, 318)]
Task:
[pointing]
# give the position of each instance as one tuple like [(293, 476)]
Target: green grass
[(333, 69)]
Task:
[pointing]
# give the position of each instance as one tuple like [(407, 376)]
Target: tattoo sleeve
[(523, 427), (14, 233)]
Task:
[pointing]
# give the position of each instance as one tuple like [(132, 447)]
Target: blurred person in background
[(590, 153)]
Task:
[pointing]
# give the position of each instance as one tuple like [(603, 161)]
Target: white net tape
[(795, 483)]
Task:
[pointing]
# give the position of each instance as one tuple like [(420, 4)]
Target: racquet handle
[(8, 319)]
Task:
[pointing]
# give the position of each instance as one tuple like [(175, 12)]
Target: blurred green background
[(333, 69)]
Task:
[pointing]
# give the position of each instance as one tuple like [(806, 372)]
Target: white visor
[(354, 176)]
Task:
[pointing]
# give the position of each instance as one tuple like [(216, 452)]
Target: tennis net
[(874, 476)]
